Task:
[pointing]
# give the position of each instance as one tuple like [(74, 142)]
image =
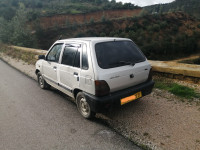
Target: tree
[(5, 30), (161, 9), (113, 1), (21, 35)]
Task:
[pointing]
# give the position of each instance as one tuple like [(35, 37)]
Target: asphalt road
[(36, 119)]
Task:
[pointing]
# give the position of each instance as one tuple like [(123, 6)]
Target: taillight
[(150, 75), (101, 88)]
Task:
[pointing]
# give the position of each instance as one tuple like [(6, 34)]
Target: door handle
[(54, 67), (75, 74)]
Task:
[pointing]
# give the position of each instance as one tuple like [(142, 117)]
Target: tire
[(42, 83), (83, 106)]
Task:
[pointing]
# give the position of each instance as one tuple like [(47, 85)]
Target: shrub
[(103, 18), (102, 34), (163, 25), (91, 20), (156, 28)]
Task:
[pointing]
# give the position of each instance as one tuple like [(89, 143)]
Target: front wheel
[(83, 106), (42, 83)]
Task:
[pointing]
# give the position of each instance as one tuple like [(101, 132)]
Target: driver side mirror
[(41, 57)]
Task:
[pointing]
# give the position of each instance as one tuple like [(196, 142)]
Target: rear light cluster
[(101, 88), (150, 75)]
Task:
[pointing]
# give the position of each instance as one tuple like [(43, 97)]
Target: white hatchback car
[(97, 72)]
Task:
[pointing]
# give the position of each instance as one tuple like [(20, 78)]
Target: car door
[(69, 69), (50, 64)]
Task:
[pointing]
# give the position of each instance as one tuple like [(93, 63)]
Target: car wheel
[(84, 107), (42, 83)]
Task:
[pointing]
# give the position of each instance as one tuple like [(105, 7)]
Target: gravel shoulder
[(157, 121)]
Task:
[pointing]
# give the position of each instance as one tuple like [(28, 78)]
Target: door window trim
[(79, 48), (84, 51), (78, 51)]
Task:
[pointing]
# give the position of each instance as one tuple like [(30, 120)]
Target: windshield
[(117, 53)]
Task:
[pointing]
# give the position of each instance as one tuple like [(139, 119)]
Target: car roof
[(92, 39)]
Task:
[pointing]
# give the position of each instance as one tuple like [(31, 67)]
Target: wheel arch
[(75, 92), (36, 71)]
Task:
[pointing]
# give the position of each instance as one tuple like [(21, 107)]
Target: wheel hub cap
[(84, 106)]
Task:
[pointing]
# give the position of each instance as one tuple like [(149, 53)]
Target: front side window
[(117, 53), (54, 53), (69, 56)]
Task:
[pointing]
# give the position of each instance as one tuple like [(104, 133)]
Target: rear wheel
[(42, 83), (83, 106)]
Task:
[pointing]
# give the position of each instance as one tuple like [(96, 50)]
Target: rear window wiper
[(119, 63), (127, 63)]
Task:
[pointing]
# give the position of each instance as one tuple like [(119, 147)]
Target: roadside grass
[(28, 57), (177, 89)]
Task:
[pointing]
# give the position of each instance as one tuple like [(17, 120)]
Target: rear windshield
[(117, 53)]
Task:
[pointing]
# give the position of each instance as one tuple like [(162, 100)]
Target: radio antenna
[(60, 37)]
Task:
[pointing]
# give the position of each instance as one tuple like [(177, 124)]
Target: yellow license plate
[(131, 98)]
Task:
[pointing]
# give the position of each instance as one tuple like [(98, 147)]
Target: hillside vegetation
[(161, 37), (162, 34), (84, 18), (20, 18), (38, 8), (191, 7)]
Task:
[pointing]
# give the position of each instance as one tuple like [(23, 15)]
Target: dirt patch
[(196, 56), (159, 121), (64, 20), (32, 50)]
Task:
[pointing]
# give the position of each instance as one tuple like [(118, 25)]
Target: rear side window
[(69, 56), (110, 54)]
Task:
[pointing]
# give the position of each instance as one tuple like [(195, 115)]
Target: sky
[(145, 2)]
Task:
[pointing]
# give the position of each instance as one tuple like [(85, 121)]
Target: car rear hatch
[(122, 64)]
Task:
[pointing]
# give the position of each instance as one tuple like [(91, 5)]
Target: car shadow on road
[(115, 113), (127, 109)]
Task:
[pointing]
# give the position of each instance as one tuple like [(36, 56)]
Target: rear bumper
[(98, 104)]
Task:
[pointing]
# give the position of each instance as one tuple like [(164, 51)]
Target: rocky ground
[(158, 121)]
